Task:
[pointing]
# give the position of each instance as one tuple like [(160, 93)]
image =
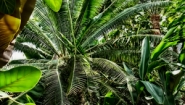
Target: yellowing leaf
[(9, 26)]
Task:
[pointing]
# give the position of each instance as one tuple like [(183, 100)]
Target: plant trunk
[(155, 19)]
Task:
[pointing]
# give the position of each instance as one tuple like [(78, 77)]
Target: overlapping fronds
[(78, 75), (110, 69), (31, 52), (90, 9), (122, 94), (118, 19), (54, 93), (125, 48), (69, 37)]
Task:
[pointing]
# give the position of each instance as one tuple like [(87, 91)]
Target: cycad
[(66, 39)]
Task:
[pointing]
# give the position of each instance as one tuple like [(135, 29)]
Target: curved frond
[(122, 49), (109, 69), (31, 52), (54, 92), (118, 19), (78, 77)]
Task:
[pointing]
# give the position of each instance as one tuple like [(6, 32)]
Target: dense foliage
[(102, 52)]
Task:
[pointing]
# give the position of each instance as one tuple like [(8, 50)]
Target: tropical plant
[(13, 16), (18, 79), (74, 73), (158, 78)]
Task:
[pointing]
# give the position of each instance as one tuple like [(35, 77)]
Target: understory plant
[(159, 80)]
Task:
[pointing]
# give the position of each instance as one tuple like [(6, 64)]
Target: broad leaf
[(160, 48), (54, 4), (7, 6), (19, 79), (155, 91), (12, 24), (145, 56), (163, 45), (9, 27)]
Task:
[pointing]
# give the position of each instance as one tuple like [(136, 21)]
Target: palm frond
[(124, 48), (48, 40), (76, 7), (78, 77), (29, 36), (28, 61), (48, 22), (65, 20), (54, 92), (31, 52), (117, 20), (109, 69), (122, 96), (119, 56)]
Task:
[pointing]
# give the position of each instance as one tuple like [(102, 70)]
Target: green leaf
[(163, 45), (29, 99), (109, 94), (7, 6), (19, 79), (145, 56), (139, 87), (30, 104), (55, 5), (181, 57), (160, 48), (154, 65), (110, 99), (155, 91), (128, 70)]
